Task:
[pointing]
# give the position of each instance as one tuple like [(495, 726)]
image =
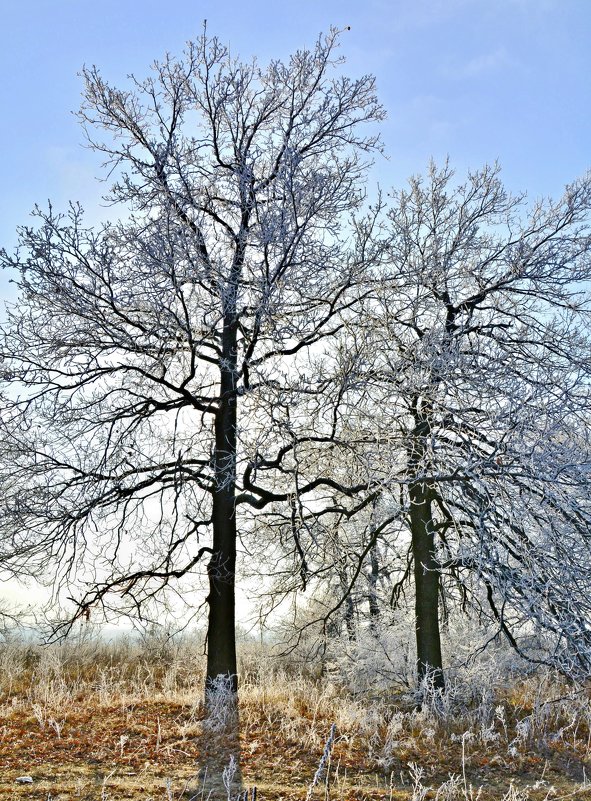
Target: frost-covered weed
[(228, 777), (220, 704), (375, 661), (419, 791), (457, 789), (361, 718), (395, 733), (323, 765), (450, 790)]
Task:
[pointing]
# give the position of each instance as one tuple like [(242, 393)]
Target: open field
[(124, 722)]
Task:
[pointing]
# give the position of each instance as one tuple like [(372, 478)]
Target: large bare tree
[(150, 366)]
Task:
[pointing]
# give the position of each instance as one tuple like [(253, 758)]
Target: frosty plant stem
[(324, 761)]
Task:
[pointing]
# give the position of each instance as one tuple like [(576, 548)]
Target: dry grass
[(120, 722)]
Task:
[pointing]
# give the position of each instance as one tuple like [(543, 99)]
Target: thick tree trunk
[(221, 570), (426, 575), (221, 636)]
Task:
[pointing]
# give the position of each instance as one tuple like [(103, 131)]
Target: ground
[(132, 726)]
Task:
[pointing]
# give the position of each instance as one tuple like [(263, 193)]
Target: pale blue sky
[(475, 79)]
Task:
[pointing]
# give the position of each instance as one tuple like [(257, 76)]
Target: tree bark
[(374, 608), (221, 570), (427, 579), (350, 618)]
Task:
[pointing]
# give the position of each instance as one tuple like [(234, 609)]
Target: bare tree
[(473, 400), (151, 367)]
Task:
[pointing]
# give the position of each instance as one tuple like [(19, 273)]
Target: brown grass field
[(113, 722)]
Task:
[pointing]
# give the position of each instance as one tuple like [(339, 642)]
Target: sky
[(475, 80)]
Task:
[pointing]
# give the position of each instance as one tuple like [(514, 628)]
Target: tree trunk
[(374, 608), (221, 570), (221, 634), (350, 618), (426, 575), (349, 604)]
